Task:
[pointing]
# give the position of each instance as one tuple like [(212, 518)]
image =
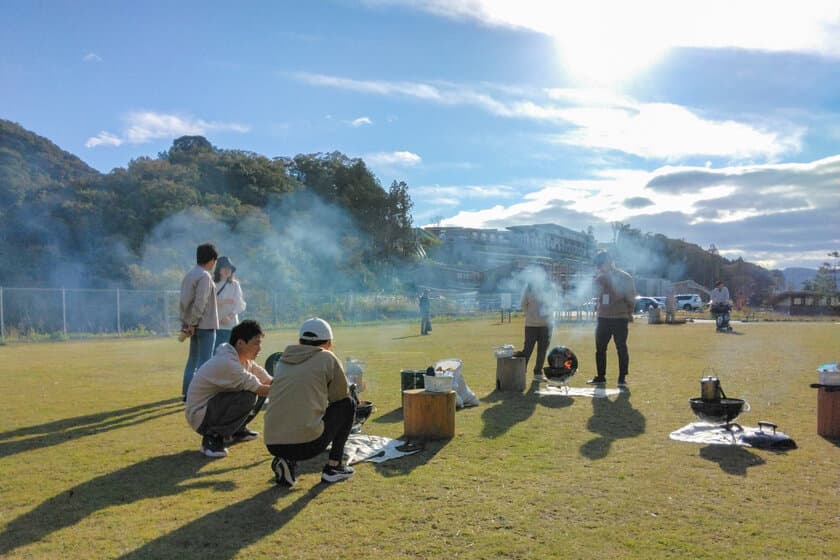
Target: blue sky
[(715, 122)]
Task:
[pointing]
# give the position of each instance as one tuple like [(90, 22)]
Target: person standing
[(538, 327), (309, 406), (199, 316), (670, 307), (229, 299), (615, 292), (228, 391), (425, 313), (719, 298)]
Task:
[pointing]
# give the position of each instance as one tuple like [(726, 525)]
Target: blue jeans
[(201, 348), (222, 336)]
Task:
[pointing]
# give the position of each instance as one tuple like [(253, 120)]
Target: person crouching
[(309, 406), (228, 391)]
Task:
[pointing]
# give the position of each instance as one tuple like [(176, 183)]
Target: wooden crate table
[(828, 412), (429, 415)]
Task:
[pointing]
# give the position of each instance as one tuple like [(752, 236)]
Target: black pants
[(617, 330), (338, 421), (541, 336), (229, 412)]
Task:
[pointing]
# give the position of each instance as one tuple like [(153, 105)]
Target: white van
[(689, 302)]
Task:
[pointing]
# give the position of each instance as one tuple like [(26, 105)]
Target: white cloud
[(666, 131), (599, 118), (361, 121), (103, 139), (92, 57), (402, 159), (776, 214), (633, 35), (146, 126)]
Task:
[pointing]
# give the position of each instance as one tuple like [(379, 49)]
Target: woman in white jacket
[(229, 299)]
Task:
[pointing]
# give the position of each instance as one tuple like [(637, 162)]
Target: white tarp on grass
[(717, 434), (375, 449), (594, 392)]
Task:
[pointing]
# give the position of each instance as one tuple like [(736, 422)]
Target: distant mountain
[(29, 162), (796, 276)]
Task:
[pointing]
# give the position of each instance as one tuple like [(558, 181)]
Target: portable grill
[(562, 365), (715, 407)]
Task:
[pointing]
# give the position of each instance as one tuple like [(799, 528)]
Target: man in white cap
[(309, 406)]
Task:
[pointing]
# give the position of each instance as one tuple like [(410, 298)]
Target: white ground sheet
[(716, 434), (594, 392), (375, 449)]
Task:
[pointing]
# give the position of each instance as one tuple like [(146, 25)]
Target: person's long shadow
[(225, 532), (611, 420), (59, 431), (509, 408), (733, 459), (153, 478)]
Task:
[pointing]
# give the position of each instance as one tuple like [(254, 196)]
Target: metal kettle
[(710, 389)]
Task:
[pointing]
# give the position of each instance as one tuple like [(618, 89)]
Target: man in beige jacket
[(309, 406), (228, 391), (539, 322), (615, 292)]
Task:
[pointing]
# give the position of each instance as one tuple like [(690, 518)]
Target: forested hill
[(296, 220), (29, 162)]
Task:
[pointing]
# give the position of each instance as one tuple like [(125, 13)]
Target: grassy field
[(96, 459)]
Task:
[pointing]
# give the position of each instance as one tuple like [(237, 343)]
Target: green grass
[(97, 461)]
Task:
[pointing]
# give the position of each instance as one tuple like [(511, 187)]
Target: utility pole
[(836, 255)]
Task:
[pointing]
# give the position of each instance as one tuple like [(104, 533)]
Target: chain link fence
[(58, 313)]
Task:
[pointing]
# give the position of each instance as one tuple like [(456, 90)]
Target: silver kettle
[(710, 389)]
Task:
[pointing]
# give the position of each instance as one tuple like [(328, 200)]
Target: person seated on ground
[(228, 391), (719, 302), (309, 406)]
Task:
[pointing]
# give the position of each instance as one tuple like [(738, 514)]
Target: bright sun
[(603, 45)]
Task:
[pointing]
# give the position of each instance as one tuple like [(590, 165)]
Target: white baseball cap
[(315, 329)]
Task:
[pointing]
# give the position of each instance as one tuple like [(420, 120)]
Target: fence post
[(64, 311), (165, 313), (2, 324), (119, 326)]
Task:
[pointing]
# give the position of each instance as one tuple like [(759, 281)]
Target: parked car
[(643, 303), (689, 302), (661, 300)]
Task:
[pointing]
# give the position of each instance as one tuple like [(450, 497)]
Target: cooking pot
[(710, 389), (829, 374)]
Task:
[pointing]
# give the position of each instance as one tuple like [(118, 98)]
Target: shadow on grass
[(732, 459), (405, 465), (59, 431), (391, 417), (512, 407), (225, 532), (612, 420), (152, 478)]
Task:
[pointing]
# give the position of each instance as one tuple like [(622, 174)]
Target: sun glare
[(607, 44)]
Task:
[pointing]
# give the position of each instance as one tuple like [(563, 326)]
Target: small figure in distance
[(425, 313)]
